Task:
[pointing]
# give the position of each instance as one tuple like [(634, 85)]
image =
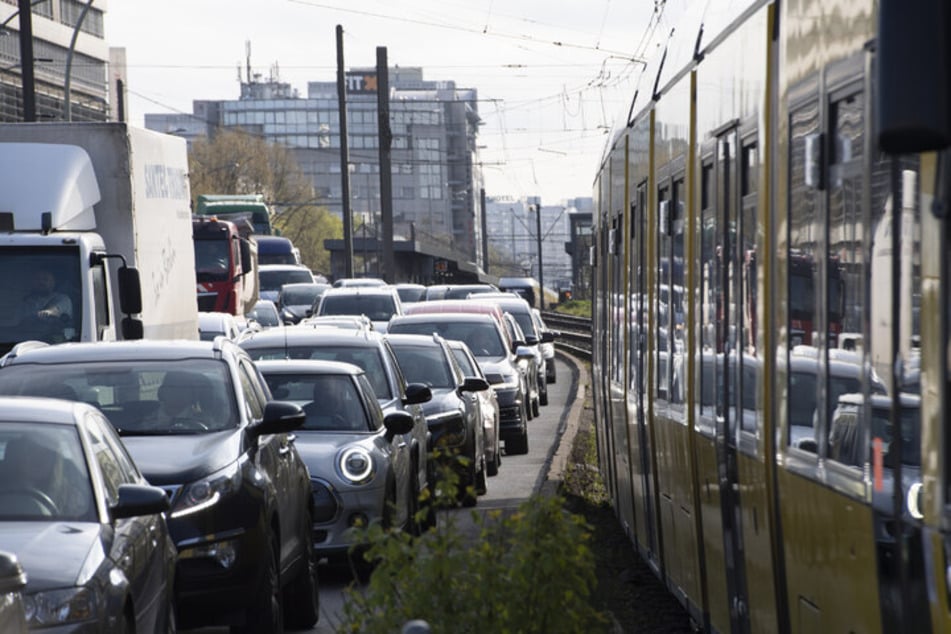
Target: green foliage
[(529, 571), (579, 307)]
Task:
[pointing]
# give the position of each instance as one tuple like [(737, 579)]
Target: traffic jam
[(192, 421)]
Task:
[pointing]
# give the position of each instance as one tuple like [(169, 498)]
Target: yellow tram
[(772, 274)]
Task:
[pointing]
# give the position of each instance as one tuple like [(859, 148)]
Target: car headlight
[(504, 380), (355, 465), (206, 492), (61, 607)]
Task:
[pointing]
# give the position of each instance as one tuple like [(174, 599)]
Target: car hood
[(444, 400), (52, 553), (167, 460), (298, 310), (269, 295), (317, 449)]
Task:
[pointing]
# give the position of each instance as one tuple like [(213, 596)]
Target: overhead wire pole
[(26, 59), (344, 159), (386, 180), (538, 236)]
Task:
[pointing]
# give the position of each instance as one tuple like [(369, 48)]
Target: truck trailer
[(97, 215)]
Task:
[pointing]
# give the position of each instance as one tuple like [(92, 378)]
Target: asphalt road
[(519, 477)]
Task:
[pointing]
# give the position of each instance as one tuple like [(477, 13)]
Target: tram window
[(748, 170), (806, 237), (747, 318), (661, 306), (675, 294), (708, 302)]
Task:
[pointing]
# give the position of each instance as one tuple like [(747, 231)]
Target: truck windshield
[(41, 296), (211, 259)]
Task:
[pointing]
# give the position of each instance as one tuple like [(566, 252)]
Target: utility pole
[(344, 159), (538, 237), (24, 7), (386, 181)]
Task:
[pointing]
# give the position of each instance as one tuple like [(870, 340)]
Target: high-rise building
[(54, 24), (433, 125)]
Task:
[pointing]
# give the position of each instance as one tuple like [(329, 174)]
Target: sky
[(551, 75)]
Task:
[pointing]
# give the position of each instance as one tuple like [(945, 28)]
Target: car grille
[(326, 505), (206, 302)]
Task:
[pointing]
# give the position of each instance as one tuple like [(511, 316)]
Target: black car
[(85, 525), (453, 414), (488, 342), (199, 421)]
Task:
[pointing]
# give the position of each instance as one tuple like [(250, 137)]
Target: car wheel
[(481, 483), (536, 411), (492, 466), (518, 445), (265, 616), (301, 597), (543, 393)]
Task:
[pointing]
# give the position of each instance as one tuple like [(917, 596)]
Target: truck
[(234, 206), (100, 213), (277, 250), (225, 265)]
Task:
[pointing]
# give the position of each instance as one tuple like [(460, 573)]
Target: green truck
[(250, 207)]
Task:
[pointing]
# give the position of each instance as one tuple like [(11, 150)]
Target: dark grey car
[(200, 422)]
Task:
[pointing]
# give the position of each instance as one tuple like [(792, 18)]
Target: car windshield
[(367, 358), (43, 474), (465, 362), (265, 313), (376, 307), (410, 294), (330, 401), (301, 295), (481, 337), (274, 280), (424, 364), (140, 398)]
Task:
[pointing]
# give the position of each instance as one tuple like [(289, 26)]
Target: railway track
[(575, 332)]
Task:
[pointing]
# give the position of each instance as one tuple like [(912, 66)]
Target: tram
[(773, 436)]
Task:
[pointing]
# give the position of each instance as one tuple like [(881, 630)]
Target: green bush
[(530, 571), (578, 307)]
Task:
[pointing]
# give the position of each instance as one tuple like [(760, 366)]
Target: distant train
[(772, 279)]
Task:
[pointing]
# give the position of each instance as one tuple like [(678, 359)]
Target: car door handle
[(284, 450), (291, 438)]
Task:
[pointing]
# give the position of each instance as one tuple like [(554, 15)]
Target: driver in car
[(43, 301), (179, 401)]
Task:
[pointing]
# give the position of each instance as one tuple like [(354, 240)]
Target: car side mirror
[(139, 499), (474, 384), (398, 423), (549, 335), (280, 417), (417, 393), (524, 352), (531, 340)]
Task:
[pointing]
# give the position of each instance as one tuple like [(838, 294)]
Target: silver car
[(361, 471), (488, 405)]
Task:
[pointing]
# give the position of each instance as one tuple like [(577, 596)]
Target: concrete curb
[(559, 458)]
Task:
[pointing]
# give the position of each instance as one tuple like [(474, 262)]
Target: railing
[(575, 332)]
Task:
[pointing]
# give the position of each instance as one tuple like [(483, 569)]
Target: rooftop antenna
[(247, 55)]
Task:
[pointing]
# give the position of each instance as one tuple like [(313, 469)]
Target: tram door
[(725, 282), (641, 448)]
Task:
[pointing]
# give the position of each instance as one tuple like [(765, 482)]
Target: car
[(87, 528), (463, 291), (351, 322), (527, 366), (452, 414), (534, 337), (498, 357), (358, 282), (211, 325), (488, 405), (271, 277), (379, 304), (297, 300), (360, 467), (265, 313), (368, 350), (410, 293), (12, 582), (547, 345), (200, 422)]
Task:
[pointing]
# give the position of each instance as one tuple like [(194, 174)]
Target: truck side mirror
[(130, 290), (246, 264), (132, 329)]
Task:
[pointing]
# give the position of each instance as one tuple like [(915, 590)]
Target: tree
[(238, 162)]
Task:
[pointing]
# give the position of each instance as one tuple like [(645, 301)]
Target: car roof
[(452, 306), (143, 349), (443, 317), (360, 290), (33, 409), (306, 366), (304, 335), (283, 267), (507, 301), (418, 340), (214, 319)]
